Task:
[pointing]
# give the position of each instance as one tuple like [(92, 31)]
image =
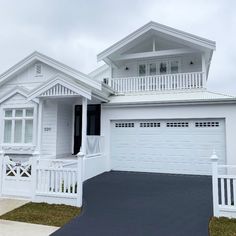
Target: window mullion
[(23, 131), (13, 131)]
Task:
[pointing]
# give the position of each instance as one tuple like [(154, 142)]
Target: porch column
[(40, 116), (84, 126), (204, 69)]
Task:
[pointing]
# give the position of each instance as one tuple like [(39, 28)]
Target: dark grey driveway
[(135, 204)]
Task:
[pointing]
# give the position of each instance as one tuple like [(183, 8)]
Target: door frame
[(73, 123)]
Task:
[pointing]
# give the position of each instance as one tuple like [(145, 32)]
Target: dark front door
[(93, 123)]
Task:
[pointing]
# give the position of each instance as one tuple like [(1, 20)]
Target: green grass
[(43, 213), (222, 227)]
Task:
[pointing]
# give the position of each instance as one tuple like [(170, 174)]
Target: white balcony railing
[(180, 81)]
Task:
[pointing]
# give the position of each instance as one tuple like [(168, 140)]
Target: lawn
[(43, 213), (222, 227)]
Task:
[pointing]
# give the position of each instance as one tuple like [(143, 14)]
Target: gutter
[(172, 103)]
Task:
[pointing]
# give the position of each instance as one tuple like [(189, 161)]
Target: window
[(163, 68), (152, 69), (150, 124), (124, 125), (18, 125), (174, 66), (207, 124), (142, 70), (177, 124)]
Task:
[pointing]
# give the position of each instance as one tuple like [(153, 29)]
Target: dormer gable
[(154, 40)]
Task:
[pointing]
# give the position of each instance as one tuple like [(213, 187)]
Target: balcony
[(167, 82)]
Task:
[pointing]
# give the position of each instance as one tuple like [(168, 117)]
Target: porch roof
[(61, 86)]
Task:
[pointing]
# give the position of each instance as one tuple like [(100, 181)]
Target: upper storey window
[(142, 69), (152, 69), (174, 66), (163, 67), (159, 68)]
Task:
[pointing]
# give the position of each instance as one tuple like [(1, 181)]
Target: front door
[(93, 123)]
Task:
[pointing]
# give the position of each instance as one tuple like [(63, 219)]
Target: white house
[(147, 109)]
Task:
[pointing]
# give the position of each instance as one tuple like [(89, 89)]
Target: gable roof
[(98, 70), (208, 44), (14, 91), (36, 56), (60, 86)]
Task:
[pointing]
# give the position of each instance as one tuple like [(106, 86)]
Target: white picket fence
[(179, 81), (50, 179), (223, 189), (58, 181)]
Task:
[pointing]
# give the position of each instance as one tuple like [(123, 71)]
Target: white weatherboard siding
[(49, 127), (133, 70), (225, 113), (167, 146), (28, 79), (64, 128)]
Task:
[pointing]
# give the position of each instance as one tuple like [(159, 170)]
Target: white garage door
[(167, 146)]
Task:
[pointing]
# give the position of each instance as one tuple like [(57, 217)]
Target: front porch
[(66, 147)]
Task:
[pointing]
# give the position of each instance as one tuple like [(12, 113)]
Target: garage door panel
[(167, 146)]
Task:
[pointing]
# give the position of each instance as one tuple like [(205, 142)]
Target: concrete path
[(140, 204), (12, 228), (7, 204)]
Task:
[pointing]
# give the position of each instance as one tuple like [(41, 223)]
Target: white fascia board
[(33, 57), (171, 103), (16, 90), (99, 70), (58, 80), (155, 54), (161, 28)]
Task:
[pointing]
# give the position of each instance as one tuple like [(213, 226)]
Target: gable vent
[(38, 69)]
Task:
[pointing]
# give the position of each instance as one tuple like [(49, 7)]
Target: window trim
[(34, 118), (157, 63)]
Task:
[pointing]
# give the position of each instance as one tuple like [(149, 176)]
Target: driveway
[(143, 204)]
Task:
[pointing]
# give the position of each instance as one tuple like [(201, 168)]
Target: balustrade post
[(1, 170), (34, 163), (215, 190), (80, 178)]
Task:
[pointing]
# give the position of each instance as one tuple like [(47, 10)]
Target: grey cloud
[(75, 31)]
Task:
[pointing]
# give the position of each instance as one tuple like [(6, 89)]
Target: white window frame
[(158, 62), (146, 69), (34, 118)]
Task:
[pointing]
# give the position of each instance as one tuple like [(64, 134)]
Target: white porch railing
[(58, 181), (94, 145), (223, 189), (180, 81)]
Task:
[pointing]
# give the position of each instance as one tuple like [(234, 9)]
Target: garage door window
[(207, 124), (149, 124), (124, 125), (177, 124)]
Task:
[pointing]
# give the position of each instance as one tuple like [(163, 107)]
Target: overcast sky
[(75, 31)]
